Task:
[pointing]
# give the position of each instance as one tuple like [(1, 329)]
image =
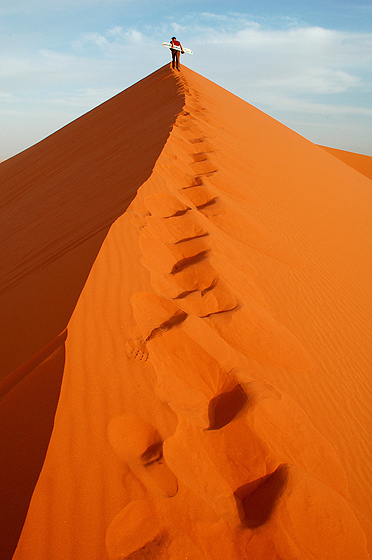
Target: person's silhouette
[(176, 53)]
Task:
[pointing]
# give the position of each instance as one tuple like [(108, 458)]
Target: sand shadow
[(58, 201), (225, 407), (28, 403), (257, 499)]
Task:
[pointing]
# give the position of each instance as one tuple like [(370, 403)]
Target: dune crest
[(58, 200), (192, 420)]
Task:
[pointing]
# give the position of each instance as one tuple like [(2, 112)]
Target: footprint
[(203, 167), (215, 299), (140, 446), (199, 195), (226, 406), (174, 228), (168, 257), (164, 205), (202, 145), (303, 518), (199, 156), (196, 276), (225, 460), (260, 497), (178, 176), (155, 314), (137, 214), (237, 396), (135, 349), (188, 377), (212, 209)]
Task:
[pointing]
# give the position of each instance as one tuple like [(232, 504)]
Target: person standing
[(176, 53)]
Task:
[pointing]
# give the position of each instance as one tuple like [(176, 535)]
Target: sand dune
[(216, 382), (28, 400), (58, 200), (360, 162)]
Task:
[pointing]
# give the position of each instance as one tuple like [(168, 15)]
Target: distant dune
[(360, 162), (199, 277)]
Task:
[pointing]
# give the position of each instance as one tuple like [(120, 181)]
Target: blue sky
[(306, 63)]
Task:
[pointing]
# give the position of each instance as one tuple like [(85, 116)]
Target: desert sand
[(199, 277), (360, 162)]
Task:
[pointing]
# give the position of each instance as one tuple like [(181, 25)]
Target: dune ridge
[(58, 200), (189, 421)]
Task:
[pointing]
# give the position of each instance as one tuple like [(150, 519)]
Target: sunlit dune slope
[(216, 392), (360, 162)]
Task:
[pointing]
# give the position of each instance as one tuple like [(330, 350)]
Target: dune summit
[(203, 290)]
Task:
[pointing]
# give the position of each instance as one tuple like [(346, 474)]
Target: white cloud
[(110, 43), (289, 103), (304, 60), (96, 39), (134, 36), (312, 81), (115, 31)]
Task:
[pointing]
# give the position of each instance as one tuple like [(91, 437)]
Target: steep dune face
[(215, 395), (29, 398), (57, 202)]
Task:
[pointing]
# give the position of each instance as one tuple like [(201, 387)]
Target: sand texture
[(215, 401), (58, 200)]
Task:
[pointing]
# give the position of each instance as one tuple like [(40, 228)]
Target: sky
[(306, 63)]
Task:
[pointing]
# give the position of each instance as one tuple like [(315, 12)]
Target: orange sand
[(58, 200), (216, 388), (360, 162)]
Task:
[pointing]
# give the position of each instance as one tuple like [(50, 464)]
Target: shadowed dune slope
[(216, 392), (360, 162), (28, 400), (57, 202)]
